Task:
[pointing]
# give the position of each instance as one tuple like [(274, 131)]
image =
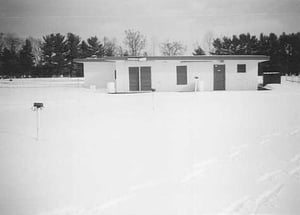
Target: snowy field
[(231, 152)]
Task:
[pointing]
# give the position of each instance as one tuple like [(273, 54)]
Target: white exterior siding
[(164, 73), (241, 81), (164, 76), (98, 73), (203, 70)]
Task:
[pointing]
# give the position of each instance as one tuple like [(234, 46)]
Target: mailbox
[(38, 105)]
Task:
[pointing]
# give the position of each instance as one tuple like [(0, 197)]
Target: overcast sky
[(185, 20)]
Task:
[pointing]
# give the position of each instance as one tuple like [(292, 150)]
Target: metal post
[(153, 102), (37, 123), (37, 106), (196, 83)]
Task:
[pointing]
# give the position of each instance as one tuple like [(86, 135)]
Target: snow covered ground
[(231, 152)]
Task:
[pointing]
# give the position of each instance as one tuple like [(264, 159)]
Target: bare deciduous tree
[(12, 42), (1, 41), (168, 48), (110, 46), (208, 40), (135, 42), (36, 49)]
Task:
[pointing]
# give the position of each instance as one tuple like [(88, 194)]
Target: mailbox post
[(196, 83), (153, 101), (37, 106)]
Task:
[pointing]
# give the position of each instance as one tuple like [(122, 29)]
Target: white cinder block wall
[(163, 74), (241, 81), (98, 73)]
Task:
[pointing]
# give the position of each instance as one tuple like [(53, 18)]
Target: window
[(241, 68), (181, 75)]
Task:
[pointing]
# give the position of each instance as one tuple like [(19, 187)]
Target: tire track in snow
[(236, 152), (269, 176), (110, 203), (100, 208), (267, 196), (201, 167), (198, 170), (264, 141), (236, 207), (65, 211), (148, 184), (270, 195), (295, 172), (271, 135), (267, 138)]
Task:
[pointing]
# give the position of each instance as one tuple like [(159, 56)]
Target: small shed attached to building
[(271, 78), (174, 73)]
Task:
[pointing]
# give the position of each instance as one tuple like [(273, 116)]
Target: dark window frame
[(241, 68), (181, 75)]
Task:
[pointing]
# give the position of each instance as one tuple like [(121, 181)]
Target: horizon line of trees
[(54, 54)]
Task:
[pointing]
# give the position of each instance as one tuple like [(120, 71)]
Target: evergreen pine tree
[(26, 58)]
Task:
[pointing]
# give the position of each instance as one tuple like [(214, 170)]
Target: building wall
[(98, 73), (164, 75), (241, 81)]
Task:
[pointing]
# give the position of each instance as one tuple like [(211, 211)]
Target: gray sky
[(159, 20)]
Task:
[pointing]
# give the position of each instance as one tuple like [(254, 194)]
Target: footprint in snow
[(264, 141), (236, 152), (199, 169), (271, 135), (294, 132), (295, 159), (235, 155), (269, 176)]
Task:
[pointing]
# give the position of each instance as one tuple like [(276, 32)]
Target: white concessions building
[(174, 73)]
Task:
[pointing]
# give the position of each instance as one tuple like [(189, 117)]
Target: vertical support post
[(37, 124), (37, 106), (153, 101), (196, 83)]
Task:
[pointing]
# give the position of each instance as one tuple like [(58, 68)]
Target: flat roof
[(191, 58)]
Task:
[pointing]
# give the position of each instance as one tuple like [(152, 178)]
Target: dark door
[(146, 78), (134, 79), (219, 77)]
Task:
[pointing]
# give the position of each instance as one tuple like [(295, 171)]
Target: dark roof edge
[(198, 57)]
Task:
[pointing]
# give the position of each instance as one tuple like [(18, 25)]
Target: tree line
[(54, 54), (284, 50)]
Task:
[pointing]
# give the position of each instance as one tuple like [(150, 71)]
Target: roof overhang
[(259, 58)]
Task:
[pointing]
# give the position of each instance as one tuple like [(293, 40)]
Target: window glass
[(181, 75), (241, 68)]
